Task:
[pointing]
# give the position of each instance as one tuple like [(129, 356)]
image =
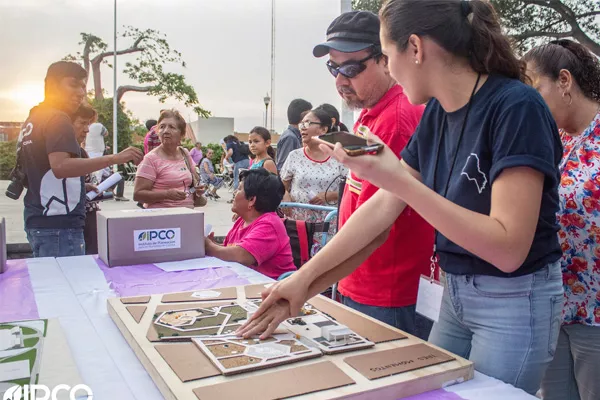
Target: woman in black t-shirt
[(482, 170)]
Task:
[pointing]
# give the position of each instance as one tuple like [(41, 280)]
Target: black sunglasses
[(350, 69)]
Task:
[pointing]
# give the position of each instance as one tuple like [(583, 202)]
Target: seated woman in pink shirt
[(163, 178), (258, 238)]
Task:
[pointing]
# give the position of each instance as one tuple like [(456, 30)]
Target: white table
[(74, 290)]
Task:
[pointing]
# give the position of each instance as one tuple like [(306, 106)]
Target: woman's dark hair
[(331, 110), (231, 139), (551, 57), (334, 114), (468, 29), (150, 123), (266, 135), (266, 187), (179, 120), (323, 117)]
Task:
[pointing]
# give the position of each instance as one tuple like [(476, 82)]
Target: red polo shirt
[(390, 277)]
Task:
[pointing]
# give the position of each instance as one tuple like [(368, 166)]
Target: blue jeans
[(573, 374), (56, 242), (245, 163), (507, 326), (403, 318)]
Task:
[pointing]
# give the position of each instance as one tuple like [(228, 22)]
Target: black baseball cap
[(350, 32)]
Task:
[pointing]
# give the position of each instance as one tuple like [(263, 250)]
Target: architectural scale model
[(21, 345), (200, 322), (187, 344), (233, 355)]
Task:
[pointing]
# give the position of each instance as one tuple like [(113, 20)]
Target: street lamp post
[(115, 100), (267, 100)]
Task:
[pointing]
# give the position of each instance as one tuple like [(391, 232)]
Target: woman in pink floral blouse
[(567, 75)]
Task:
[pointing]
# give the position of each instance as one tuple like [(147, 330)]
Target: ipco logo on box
[(157, 239), (42, 392)]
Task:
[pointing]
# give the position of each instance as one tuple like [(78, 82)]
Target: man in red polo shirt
[(385, 285)]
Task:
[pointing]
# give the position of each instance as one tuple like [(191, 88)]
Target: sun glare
[(28, 94)]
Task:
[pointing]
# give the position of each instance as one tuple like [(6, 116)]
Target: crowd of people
[(487, 181), (494, 180)]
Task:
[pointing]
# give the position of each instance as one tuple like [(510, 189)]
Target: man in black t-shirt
[(50, 157), (239, 157)]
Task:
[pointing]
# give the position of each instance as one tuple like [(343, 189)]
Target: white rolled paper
[(107, 183)]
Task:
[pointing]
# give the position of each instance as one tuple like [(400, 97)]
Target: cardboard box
[(130, 237)]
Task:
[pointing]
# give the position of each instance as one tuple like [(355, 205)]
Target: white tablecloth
[(75, 291)]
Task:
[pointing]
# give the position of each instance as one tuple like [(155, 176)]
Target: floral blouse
[(579, 219), (309, 178)]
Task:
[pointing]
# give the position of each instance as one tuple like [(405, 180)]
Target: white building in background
[(212, 130)]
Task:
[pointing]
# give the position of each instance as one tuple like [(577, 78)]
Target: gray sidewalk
[(217, 213)]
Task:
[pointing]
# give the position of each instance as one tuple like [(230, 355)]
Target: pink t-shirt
[(196, 155), (267, 240), (166, 174)]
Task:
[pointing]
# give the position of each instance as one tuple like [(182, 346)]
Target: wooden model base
[(398, 365)]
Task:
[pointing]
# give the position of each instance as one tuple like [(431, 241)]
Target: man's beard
[(354, 104)]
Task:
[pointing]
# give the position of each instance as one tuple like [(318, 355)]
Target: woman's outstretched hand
[(280, 302)]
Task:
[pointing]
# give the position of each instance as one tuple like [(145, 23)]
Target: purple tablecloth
[(146, 279), (17, 300)]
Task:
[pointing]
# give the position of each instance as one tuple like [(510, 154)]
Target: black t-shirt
[(509, 125), (236, 153), (50, 202)]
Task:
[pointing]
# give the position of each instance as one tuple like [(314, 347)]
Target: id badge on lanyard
[(431, 291)]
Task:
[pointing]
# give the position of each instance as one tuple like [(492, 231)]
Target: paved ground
[(217, 213)]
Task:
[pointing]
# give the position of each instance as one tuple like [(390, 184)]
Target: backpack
[(244, 149), (303, 242)]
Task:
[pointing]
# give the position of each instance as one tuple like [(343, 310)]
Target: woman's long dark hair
[(323, 117), (467, 29), (552, 57), (266, 135), (231, 139)]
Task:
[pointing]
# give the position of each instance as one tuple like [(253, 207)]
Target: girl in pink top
[(163, 179), (258, 238)]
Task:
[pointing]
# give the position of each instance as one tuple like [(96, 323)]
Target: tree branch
[(86, 56), (138, 41), (121, 90), (570, 18), (532, 34), (588, 14), (98, 59)]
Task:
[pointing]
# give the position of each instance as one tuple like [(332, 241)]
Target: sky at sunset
[(225, 43)]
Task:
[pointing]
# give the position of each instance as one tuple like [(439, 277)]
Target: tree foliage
[(8, 158), (152, 54), (104, 108), (367, 5), (527, 21)]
